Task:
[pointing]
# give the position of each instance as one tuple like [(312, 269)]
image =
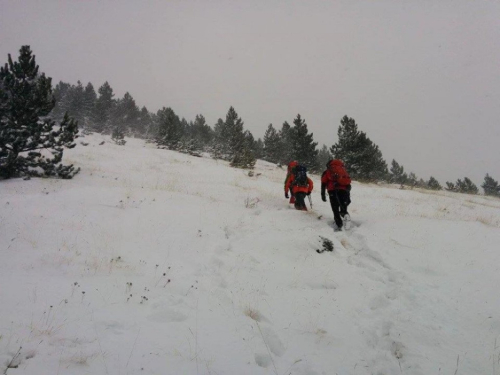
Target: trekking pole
[(310, 201)]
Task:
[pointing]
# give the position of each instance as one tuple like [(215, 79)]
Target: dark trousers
[(339, 200), (300, 203)]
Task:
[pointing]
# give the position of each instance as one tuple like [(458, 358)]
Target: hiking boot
[(346, 219)]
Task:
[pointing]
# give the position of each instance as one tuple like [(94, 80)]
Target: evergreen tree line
[(397, 175), (31, 141), (228, 140), (100, 111)]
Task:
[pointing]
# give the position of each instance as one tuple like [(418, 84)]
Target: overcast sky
[(421, 78)]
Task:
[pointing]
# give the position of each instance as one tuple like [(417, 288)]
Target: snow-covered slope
[(154, 262)]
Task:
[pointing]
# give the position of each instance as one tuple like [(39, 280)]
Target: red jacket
[(298, 189), (335, 177)]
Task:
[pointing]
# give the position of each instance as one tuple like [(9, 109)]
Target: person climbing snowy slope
[(289, 171), (337, 182), (300, 185)]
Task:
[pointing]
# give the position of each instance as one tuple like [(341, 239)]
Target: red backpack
[(338, 172)]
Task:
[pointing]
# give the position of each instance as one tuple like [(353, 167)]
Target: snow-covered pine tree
[(272, 145), (26, 129), (433, 184), (103, 108), (362, 157), (170, 130), (303, 145), (118, 134), (397, 174), (490, 186)]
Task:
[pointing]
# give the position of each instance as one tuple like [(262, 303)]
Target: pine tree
[(287, 138), (466, 186), (361, 156), (202, 133), (303, 145), (450, 186), (118, 134), (232, 143), (490, 186), (103, 108), (144, 122), (421, 183), (433, 184), (128, 113), (61, 100), (75, 102), (26, 129), (412, 180), (89, 102), (272, 145), (236, 137), (245, 158), (170, 129), (220, 147), (397, 173)]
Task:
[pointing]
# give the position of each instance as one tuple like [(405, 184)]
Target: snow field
[(154, 262)]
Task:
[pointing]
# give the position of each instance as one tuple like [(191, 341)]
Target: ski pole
[(310, 201)]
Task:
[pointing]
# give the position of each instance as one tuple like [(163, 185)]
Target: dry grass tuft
[(253, 314), (81, 358)]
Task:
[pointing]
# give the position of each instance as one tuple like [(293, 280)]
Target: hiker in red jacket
[(290, 168), (337, 182), (300, 186)]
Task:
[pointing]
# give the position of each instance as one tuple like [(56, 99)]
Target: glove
[(323, 197), (286, 195), (349, 187), (308, 193)]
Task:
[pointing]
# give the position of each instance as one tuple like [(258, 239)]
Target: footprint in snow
[(167, 316)]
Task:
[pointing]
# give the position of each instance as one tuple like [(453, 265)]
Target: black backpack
[(300, 173)]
